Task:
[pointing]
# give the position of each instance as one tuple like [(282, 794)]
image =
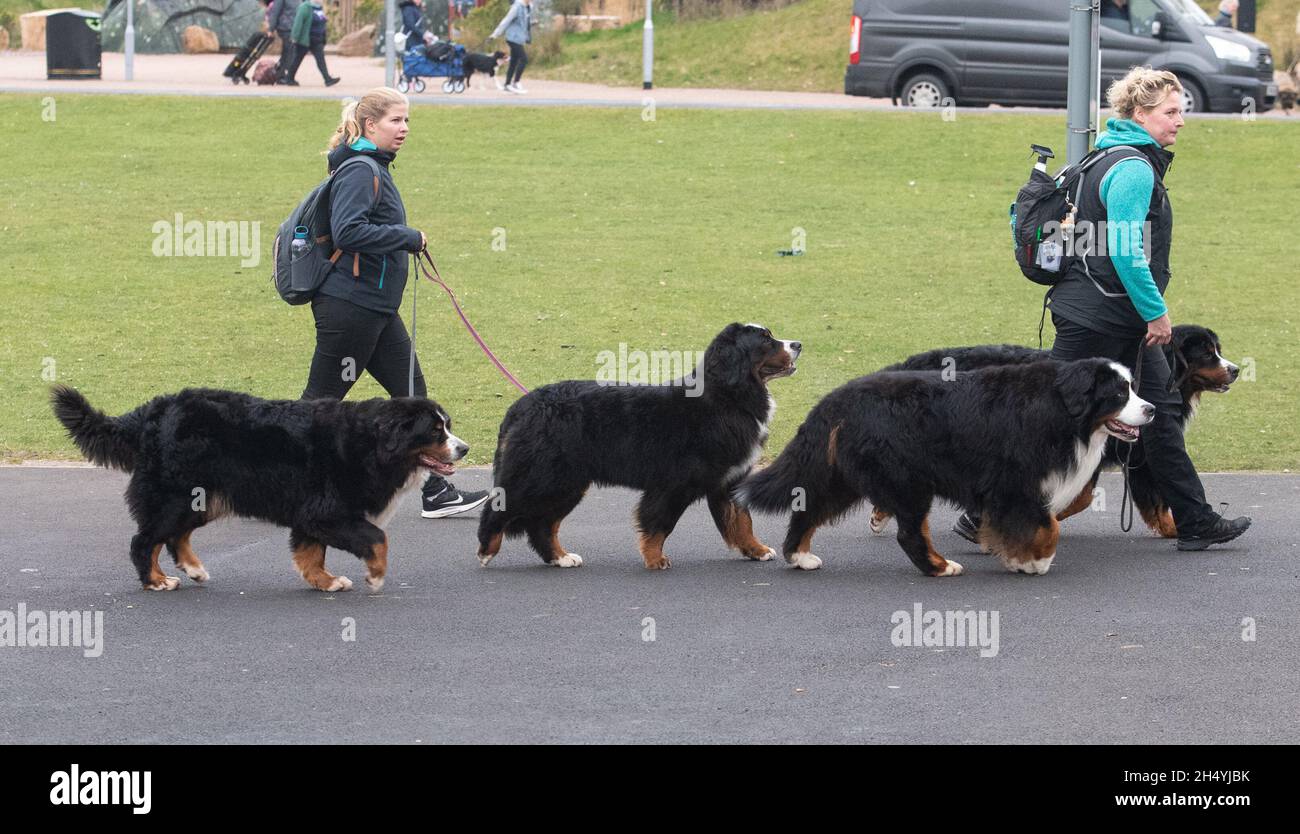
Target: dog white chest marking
[(741, 469), (1061, 488), (418, 476)]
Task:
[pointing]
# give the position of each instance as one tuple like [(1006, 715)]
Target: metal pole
[(390, 52), (1082, 59), (129, 40), (648, 48), (1094, 86)]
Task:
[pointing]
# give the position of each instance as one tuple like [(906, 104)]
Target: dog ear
[(725, 362), (1075, 382)]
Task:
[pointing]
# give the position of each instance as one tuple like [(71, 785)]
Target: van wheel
[(1193, 98), (925, 90)]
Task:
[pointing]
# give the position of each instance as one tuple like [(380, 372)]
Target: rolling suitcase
[(246, 58)]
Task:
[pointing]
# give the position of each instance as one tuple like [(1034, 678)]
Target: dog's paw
[(765, 556), (953, 569), (662, 563), (568, 560), (879, 521), (376, 583), (484, 558), (198, 574), (168, 583), (805, 561), (1035, 567), (340, 583)]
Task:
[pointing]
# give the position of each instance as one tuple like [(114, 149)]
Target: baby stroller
[(437, 60)]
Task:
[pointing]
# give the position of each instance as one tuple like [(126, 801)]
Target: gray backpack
[(298, 277)]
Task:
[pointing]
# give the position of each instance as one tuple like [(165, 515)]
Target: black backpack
[(297, 280), (1042, 217)]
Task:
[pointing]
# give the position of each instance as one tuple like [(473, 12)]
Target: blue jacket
[(517, 24), (1126, 193)]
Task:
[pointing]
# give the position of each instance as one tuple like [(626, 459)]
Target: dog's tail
[(800, 476), (106, 441)]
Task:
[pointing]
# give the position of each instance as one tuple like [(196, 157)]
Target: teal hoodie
[(1126, 194)]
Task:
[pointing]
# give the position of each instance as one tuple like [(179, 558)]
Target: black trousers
[(1161, 442), (351, 339), (316, 49), (518, 60), (287, 50)]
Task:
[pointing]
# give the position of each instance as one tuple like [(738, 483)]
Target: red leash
[(437, 279)]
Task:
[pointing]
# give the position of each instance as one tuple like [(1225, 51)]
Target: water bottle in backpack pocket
[(303, 253), (1042, 217)]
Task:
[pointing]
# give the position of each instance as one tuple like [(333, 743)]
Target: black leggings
[(351, 339), (518, 60), (1162, 439)]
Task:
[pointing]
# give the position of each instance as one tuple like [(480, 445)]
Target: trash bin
[(72, 47)]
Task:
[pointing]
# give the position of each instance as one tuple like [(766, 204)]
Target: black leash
[(1126, 503)]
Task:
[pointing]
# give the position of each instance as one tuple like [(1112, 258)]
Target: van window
[(1189, 9), (1141, 14)]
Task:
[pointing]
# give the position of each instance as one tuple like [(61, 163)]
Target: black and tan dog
[(692, 438), (1195, 357), (1015, 443), (481, 62), (332, 472)]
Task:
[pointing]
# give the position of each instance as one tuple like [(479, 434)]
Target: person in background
[(517, 26), (413, 23), (1226, 10), (310, 28), (358, 327), (281, 18)]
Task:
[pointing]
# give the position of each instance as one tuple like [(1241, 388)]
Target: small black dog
[(332, 472), (482, 62)]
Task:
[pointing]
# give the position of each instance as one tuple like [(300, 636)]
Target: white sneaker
[(520, 90)]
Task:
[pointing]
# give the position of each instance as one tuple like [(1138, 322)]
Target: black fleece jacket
[(372, 232)]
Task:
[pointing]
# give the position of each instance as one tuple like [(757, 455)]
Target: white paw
[(168, 583), (805, 561), (483, 559), (953, 569), (199, 574), (878, 524), (1033, 566), (765, 556), (376, 583), (568, 560), (340, 583)]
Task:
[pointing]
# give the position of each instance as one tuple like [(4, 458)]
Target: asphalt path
[(1126, 640)]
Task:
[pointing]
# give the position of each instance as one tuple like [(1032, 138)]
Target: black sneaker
[(1219, 531), (452, 501), (330, 82), (968, 527)]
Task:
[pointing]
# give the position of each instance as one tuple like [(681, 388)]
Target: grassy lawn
[(654, 234)]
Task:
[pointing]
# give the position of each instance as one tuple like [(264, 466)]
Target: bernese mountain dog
[(1015, 443), (1195, 357), (332, 472), (692, 438), (482, 62)]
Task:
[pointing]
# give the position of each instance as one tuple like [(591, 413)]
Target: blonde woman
[(358, 327), (1112, 304)]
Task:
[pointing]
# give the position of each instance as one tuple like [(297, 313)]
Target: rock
[(196, 39), (360, 43)]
